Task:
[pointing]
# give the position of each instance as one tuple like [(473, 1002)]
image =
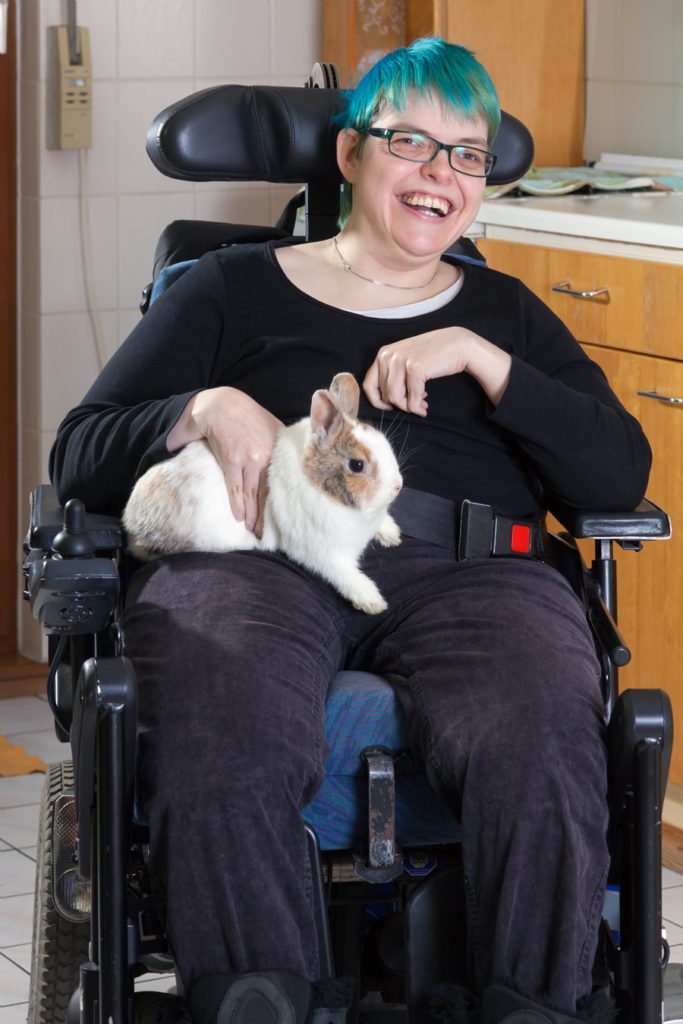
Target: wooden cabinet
[(8, 343), (638, 304), (533, 50), (630, 337), (651, 581), (356, 35)]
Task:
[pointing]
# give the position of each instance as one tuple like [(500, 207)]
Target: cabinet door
[(534, 52), (640, 310), (643, 314), (651, 581), (355, 37)]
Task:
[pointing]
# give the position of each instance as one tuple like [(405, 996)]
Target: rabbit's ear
[(345, 389), (326, 417)]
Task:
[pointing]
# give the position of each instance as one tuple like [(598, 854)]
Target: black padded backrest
[(279, 134)]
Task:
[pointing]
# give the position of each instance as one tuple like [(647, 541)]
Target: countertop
[(643, 218)]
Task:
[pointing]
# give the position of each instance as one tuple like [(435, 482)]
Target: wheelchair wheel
[(59, 946)]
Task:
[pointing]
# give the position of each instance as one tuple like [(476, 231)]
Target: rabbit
[(331, 480)]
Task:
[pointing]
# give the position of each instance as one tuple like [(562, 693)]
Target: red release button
[(520, 539)]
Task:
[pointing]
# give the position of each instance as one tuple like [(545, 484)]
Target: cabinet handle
[(665, 399), (564, 289)]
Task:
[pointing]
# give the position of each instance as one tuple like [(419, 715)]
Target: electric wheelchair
[(384, 851)]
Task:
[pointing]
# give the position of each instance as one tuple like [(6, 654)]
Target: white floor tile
[(19, 955), (17, 874), (43, 744), (674, 932), (155, 976), (19, 825), (14, 1014), (670, 878), (16, 920), (156, 983), (30, 851), (24, 714), (672, 903), (23, 789), (4, 846), (14, 983)]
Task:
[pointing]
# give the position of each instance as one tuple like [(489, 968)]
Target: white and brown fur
[(321, 510)]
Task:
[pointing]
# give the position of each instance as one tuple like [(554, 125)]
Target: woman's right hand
[(242, 435)]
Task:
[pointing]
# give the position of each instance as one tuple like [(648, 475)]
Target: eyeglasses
[(422, 149)]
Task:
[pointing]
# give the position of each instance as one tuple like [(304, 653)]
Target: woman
[(491, 657)]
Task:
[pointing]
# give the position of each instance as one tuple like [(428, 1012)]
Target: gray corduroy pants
[(497, 671)]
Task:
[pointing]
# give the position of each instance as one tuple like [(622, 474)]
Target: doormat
[(14, 760)]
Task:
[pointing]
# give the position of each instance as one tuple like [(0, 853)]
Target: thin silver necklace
[(385, 284)]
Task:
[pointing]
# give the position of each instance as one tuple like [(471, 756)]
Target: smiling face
[(418, 210)]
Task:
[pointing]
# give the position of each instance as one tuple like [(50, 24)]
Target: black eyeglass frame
[(388, 134)]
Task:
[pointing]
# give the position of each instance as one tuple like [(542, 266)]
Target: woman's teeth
[(431, 204)]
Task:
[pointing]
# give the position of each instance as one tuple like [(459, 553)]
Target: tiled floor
[(27, 721)]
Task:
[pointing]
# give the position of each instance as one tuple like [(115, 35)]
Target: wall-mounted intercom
[(69, 114)]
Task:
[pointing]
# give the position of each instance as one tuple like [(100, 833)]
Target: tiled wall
[(144, 56), (634, 68)]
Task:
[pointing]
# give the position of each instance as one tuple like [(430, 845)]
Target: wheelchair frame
[(77, 596), (73, 580)]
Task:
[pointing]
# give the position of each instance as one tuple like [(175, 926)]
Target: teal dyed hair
[(430, 67)]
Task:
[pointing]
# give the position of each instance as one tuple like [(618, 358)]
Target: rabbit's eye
[(356, 465)]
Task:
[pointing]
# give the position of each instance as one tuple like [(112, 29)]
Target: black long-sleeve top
[(234, 318)]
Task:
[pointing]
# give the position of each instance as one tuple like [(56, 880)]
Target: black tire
[(59, 946)]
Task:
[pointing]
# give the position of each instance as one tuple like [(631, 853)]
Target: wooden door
[(534, 52), (8, 362), (355, 36)]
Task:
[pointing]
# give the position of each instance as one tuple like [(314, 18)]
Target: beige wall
[(144, 56), (634, 70)]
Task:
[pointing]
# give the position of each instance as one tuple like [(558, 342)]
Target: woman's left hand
[(400, 371)]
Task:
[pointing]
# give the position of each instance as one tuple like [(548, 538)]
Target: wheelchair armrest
[(71, 596), (47, 519), (646, 522), (598, 587)]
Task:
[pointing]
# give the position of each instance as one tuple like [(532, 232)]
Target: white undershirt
[(414, 308)]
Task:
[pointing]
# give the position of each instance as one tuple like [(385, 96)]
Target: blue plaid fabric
[(362, 711)]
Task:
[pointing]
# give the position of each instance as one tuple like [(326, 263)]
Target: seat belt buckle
[(475, 531), (515, 537), (483, 533), (512, 538)]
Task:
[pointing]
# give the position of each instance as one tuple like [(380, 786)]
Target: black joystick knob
[(73, 540)]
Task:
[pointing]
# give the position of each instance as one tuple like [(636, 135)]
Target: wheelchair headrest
[(279, 134)]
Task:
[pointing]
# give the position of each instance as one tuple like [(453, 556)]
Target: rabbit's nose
[(398, 485)]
